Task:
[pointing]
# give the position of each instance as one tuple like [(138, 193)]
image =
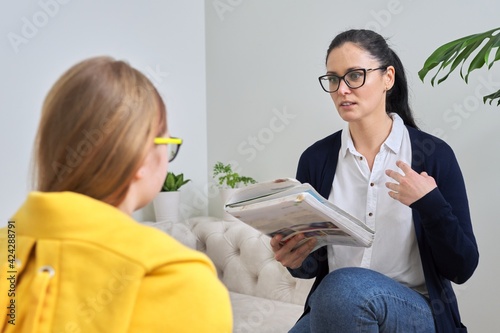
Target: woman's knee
[(347, 286), (361, 297)]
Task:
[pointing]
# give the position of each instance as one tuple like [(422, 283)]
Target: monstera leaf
[(455, 53)]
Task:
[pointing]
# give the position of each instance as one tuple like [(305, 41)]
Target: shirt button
[(361, 158), (370, 214), (372, 184)]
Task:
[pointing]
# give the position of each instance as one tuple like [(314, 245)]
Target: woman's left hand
[(410, 185)]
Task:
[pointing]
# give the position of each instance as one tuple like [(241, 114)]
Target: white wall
[(164, 39), (265, 105)]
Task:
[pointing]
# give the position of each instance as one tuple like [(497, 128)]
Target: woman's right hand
[(287, 255)]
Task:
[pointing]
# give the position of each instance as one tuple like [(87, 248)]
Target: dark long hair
[(376, 45)]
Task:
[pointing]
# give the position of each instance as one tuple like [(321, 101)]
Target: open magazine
[(286, 206)]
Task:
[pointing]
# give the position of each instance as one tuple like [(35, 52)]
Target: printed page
[(301, 211)]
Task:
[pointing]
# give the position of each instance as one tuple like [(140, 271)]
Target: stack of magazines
[(286, 206)]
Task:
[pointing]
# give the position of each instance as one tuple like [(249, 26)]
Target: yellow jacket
[(83, 266)]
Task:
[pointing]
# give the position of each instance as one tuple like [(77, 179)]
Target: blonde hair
[(98, 122)]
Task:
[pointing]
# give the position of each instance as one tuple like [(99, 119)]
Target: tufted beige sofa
[(264, 296)]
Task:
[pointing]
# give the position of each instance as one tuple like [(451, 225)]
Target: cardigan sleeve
[(317, 166), (309, 266), (445, 218)]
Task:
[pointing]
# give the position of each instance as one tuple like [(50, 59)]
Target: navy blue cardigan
[(443, 228)]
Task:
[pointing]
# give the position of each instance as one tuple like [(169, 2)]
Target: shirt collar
[(347, 144), (393, 141)]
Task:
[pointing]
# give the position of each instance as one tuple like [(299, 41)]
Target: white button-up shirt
[(363, 193)]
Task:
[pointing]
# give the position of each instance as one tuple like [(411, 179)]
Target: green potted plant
[(227, 178), (166, 203), (451, 55), (173, 182), (228, 181)]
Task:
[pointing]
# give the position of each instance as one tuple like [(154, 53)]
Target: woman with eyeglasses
[(77, 260), (403, 183)]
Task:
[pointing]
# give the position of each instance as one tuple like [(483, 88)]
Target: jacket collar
[(67, 215)]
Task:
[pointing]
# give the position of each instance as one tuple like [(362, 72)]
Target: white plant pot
[(166, 205)]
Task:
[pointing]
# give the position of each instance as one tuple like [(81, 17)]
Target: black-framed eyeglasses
[(174, 145), (353, 79)]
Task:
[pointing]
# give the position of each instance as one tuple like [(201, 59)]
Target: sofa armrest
[(177, 230), (245, 262)]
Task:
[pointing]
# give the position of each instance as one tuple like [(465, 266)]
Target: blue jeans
[(352, 300)]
